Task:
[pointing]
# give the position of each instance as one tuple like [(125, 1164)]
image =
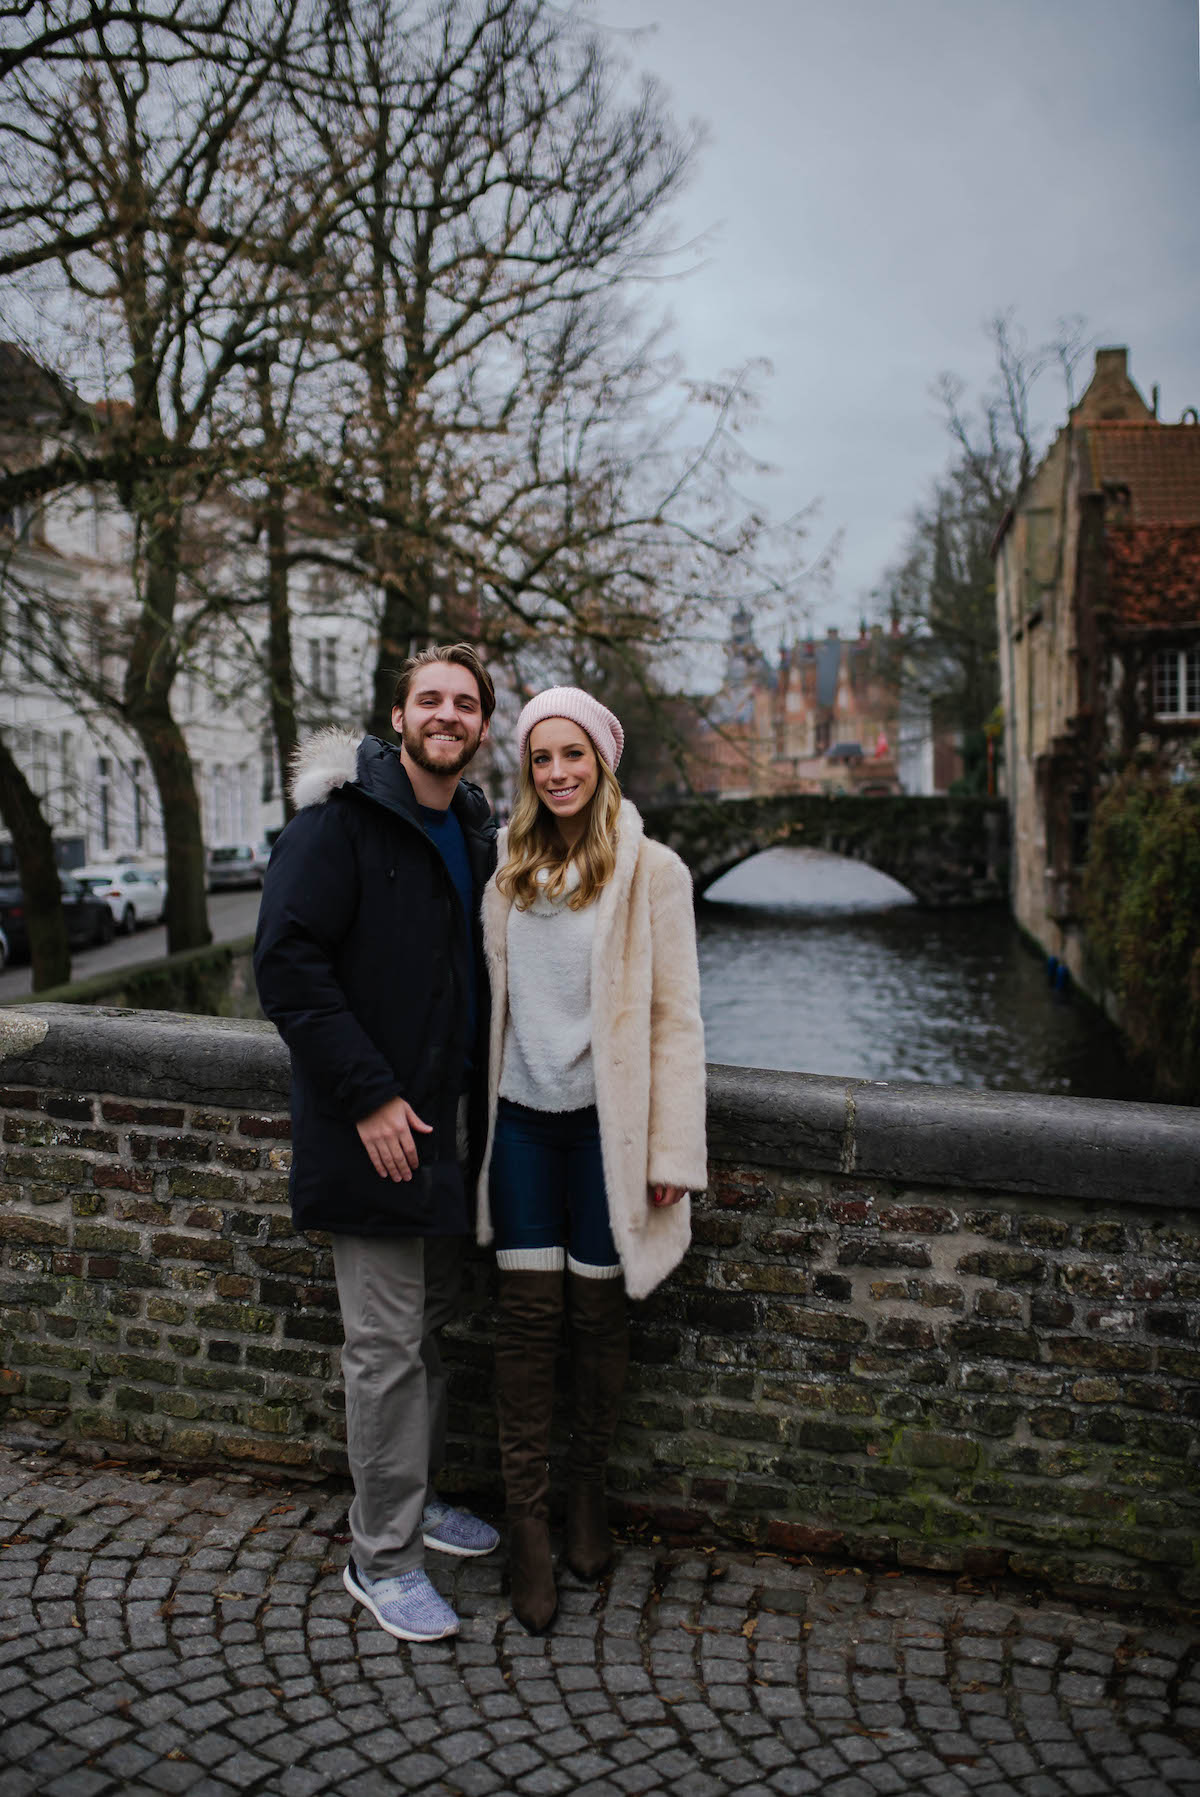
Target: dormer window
[(1177, 683), (23, 523)]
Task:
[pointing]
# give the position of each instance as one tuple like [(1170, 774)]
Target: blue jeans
[(547, 1188)]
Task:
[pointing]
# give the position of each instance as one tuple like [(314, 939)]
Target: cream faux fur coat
[(647, 1048)]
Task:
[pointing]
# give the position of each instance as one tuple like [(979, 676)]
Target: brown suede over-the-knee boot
[(527, 1333), (599, 1324)]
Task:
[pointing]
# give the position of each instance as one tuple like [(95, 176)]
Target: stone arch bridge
[(947, 851)]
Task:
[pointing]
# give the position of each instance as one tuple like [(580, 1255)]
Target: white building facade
[(67, 600)]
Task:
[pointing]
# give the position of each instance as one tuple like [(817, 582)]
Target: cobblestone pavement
[(168, 1635)]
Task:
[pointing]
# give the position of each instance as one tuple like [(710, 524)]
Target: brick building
[(1098, 601), (824, 717)]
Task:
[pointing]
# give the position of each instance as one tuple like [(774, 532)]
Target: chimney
[(1112, 364), (1111, 394)]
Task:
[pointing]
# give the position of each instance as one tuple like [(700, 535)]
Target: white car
[(133, 895), (237, 864)]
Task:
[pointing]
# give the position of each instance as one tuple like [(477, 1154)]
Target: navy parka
[(360, 959)]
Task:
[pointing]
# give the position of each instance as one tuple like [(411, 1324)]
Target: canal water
[(816, 964)]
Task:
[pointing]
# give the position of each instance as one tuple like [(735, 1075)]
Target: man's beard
[(414, 748)]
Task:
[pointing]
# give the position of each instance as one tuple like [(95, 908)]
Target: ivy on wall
[(1141, 908)]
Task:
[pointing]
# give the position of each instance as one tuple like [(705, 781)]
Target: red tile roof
[(1159, 463), (1154, 574)]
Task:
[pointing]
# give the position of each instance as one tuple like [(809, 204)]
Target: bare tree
[(493, 180), (46, 31), (942, 589), (362, 267), (133, 157)]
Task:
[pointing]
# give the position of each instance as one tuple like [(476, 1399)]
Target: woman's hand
[(661, 1196)]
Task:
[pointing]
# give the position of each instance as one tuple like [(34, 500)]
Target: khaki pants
[(395, 1294)]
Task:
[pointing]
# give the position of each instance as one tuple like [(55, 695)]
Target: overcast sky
[(881, 176)]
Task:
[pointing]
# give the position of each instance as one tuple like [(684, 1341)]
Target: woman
[(596, 1119)]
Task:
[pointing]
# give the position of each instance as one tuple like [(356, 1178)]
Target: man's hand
[(661, 1196), (387, 1137)]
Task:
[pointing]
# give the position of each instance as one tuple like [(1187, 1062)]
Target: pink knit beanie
[(572, 702)]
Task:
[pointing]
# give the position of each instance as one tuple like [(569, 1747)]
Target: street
[(230, 915)]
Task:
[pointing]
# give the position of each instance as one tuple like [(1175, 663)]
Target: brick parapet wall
[(935, 1328)]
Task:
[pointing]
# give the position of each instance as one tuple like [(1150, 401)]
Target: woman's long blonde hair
[(534, 842)]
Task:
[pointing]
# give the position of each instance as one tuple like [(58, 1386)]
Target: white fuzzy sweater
[(548, 1032)]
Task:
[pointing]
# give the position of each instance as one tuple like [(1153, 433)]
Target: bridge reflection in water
[(816, 964)]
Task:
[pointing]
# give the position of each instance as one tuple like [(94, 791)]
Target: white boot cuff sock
[(586, 1271), (531, 1260)]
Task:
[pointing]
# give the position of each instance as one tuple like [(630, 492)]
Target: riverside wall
[(214, 981), (918, 1326)]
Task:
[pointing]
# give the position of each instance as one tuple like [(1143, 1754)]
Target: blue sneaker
[(408, 1606), (451, 1531)]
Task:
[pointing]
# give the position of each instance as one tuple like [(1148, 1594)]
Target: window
[(98, 637), (40, 755), (1079, 818), (267, 741), (104, 789), (239, 789), (17, 522), (322, 667), (26, 637), (217, 806), (70, 781), (139, 804), (1177, 683)]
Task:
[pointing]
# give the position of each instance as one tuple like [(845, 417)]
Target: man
[(368, 962)]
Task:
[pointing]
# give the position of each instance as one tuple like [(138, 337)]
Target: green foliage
[(1141, 908), (973, 781)]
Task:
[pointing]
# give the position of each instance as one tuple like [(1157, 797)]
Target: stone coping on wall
[(164, 1055), (1090, 1149), (1028, 1143)]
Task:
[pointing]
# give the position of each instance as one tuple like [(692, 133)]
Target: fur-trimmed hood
[(321, 764)]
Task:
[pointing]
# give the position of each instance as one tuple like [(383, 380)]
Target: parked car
[(133, 894), (156, 868), (89, 919), (3, 951), (237, 864)]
